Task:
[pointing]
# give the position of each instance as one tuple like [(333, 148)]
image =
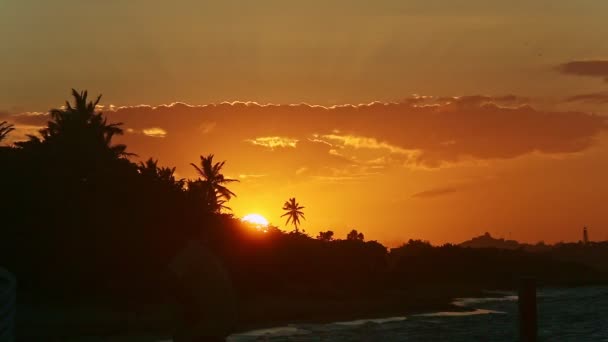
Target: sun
[(257, 220)]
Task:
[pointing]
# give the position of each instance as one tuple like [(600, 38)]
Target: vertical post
[(585, 236), (527, 310)]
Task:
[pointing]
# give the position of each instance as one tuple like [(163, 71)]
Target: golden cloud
[(364, 142), (154, 132), (274, 142)]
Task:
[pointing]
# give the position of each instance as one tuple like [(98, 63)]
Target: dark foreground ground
[(565, 314), (54, 321)]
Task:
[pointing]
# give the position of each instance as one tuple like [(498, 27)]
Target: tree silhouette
[(5, 129), (211, 187), (355, 236), (293, 212), (80, 128), (161, 175), (326, 236), (202, 193)]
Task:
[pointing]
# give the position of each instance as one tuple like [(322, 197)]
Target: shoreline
[(268, 313), (374, 308), (284, 311)]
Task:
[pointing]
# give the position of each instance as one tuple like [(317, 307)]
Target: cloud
[(349, 174), (20, 133), (244, 176), (273, 142), (434, 193), (207, 127), (589, 68), (595, 98), (301, 170), (154, 132), (425, 132), (362, 142), (478, 100)]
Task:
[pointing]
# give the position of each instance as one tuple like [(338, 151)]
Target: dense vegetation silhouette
[(83, 224)]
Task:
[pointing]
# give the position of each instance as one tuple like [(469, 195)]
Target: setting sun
[(255, 219)]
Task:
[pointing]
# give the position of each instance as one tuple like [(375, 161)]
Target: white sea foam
[(468, 302), (375, 320), (461, 313), (285, 331)]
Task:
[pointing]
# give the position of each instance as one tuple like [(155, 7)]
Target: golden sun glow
[(256, 219)]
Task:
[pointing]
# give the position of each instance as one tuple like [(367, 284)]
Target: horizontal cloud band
[(429, 131)]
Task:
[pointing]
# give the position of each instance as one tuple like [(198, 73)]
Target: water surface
[(579, 314)]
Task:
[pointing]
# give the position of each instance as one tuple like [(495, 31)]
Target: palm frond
[(200, 172), (5, 129)]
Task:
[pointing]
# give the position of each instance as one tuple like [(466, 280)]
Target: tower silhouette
[(585, 236)]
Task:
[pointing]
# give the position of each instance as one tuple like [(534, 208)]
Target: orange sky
[(442, 167)]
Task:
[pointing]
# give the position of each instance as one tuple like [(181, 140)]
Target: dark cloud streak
[(594, 98), (589, 68)]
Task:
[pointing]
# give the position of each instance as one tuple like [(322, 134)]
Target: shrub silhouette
[(326, 236), (353, 235)]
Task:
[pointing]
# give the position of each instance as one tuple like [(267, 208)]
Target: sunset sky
[(427, 119)]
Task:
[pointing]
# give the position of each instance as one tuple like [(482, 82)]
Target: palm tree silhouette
[(164, 175), (5, 129), (293, 212), (80, 125), (213, 183)]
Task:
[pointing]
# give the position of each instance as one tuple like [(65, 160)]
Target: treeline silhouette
[(82, 222)]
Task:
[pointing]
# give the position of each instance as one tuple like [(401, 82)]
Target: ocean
[(574, 314)]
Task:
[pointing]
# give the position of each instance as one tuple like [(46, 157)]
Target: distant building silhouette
[(585, 236), (488, 241)]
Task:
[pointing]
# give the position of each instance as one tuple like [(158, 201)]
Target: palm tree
[(213, 183), (293, 212), (5, 129), (80, 125), (162, 175)]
